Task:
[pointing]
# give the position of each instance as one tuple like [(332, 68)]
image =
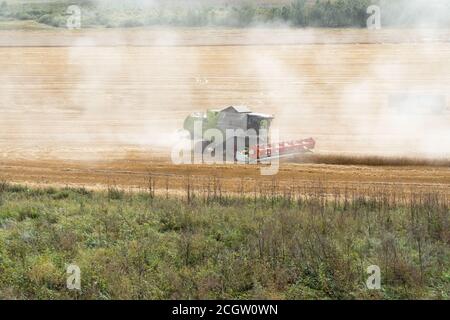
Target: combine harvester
[(250, 142)]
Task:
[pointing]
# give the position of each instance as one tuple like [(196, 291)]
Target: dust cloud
[(80, 100), (343, 95)]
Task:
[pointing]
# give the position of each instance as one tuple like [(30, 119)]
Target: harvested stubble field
[(100, 107)]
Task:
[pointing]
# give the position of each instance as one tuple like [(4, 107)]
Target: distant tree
[(359, 13), (246, 15), (285, 13), (298, 13), (3, 8)]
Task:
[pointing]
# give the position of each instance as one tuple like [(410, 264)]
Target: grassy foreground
[(138, 245)]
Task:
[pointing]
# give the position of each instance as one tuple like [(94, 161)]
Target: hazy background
[(227, 13)]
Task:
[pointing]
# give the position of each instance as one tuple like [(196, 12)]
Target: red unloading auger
[(280, 149)]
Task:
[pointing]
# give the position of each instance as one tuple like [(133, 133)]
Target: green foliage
[(115, 193), (3, 8), (243, 16), (299, 13), (52, 20), (142, 246), (339, 13)]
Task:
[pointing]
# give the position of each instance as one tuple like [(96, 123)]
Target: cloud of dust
[(127, 95), (417, 14), (118, 97), (344, 98)]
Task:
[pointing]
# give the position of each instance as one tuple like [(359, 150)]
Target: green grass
[(142, 246)]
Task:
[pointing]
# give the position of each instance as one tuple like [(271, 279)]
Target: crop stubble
[(79, 109)]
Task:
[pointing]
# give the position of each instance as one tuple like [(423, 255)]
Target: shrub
[(115, 193), (311, 243), (23, 16), (131, 23), (3, 8), (52, 20)]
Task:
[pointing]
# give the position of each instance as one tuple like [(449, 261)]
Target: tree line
[(298, 13)]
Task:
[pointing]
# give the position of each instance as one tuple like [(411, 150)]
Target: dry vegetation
[(368, 160), (301, 244)]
